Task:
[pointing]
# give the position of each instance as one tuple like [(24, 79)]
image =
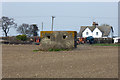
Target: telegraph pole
[(42, 26), (52, 22)]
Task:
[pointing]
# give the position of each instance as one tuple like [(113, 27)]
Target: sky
[(68, 15)]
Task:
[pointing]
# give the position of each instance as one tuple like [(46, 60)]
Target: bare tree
[(27, 29), (23, 29), (6, 23)]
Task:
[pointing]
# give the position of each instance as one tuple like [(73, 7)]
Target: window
[(48, 37), (96, 33), (86, 33), (64, 36)]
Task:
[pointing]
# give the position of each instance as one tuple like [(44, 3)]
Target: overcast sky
[(68, 15)]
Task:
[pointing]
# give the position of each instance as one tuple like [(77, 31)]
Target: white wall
[(99, 33), (85, 31)]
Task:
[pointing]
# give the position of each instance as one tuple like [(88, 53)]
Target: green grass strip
[(106, 44), (36, 50)]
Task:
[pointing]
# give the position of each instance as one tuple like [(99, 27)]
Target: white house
[(96, 31)]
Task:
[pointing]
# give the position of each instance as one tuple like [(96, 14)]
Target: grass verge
[(53, 50), (106, 44), (36, 50)]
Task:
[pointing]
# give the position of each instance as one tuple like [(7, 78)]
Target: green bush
[(58, 49), (21, 37)]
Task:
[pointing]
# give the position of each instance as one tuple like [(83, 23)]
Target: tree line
[(29, 30)]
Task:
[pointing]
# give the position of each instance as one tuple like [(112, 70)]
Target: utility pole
[(42, 26), (52, 22)]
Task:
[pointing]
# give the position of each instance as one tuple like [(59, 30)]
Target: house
[(64, 38), (96, 31)]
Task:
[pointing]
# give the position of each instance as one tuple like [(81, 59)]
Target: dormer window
[(96, 33), (87, 33)]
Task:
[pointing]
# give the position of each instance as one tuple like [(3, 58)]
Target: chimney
[(95, 24)]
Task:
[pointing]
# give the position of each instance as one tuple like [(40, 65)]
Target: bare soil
[(19, 61)]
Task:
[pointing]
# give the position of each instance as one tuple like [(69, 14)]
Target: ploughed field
[(20, 61)]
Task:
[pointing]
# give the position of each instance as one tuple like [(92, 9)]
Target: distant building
[(96, 31), (116, 39)]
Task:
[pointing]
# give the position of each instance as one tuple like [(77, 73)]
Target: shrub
[(21, 37), (58, 49)]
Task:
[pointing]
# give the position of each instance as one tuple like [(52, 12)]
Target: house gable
[(97, 33), (87, 32)]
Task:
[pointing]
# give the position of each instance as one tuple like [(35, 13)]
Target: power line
[(63, 16)]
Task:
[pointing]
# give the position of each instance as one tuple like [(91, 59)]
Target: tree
[(34, 29), (24, 29), (27, 29), (105, 25), (6, 23)]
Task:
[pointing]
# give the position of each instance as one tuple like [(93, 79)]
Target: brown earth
[(19, 61)]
